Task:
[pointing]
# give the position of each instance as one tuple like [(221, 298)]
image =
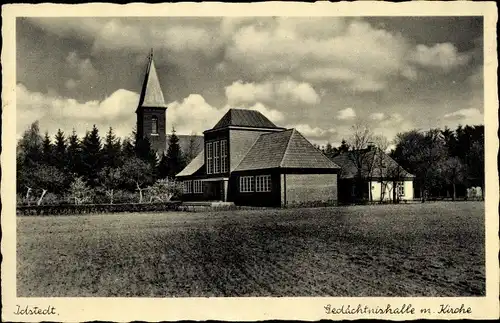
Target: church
[(245, 158)]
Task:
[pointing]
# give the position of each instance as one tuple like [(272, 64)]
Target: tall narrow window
[(223, 156), (216, 157), (154, 125), (197, 186), (188, 187), (209, 158)]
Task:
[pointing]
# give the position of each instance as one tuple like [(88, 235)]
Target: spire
[(151, 94)]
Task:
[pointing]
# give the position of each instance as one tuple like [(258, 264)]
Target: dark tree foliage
[(59, 153), (173, 162), (128, 149), (111, 150), (47, 157), (73, 154), (91, 156), (144, 151), (344, 147)]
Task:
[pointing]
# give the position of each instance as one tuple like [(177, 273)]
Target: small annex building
[(383, 178), (248, 160)]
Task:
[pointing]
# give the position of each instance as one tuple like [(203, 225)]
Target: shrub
[(163, 190), (123, 196)]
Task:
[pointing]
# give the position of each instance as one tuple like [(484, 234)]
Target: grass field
[(434, 249)]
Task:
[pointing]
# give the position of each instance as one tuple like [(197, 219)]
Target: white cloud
[(309, 131), (470, 116), (286, 90), (392, 125), (377, 116), (273, 115), (83, 66), (346, 114), (55, 112), (70, 84), (355, 52), (240, 92), (443, 56), (193, 114)]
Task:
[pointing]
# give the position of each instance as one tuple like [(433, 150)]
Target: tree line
[(445, 162), (92, 169)]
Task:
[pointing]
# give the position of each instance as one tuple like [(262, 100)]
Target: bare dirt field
[(434, 249)]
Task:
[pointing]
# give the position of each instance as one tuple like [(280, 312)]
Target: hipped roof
[(244, 118), (284, 149)]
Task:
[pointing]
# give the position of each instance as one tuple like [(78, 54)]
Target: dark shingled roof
[(349, 169), (244, 118), (151, 93), (284, 149)]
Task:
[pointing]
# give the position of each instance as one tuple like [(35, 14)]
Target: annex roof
[(151, 93), (194, 165), (372, 167), (284, 149), (244, 118)]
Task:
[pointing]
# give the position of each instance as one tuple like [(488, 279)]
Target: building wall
[(302, 188), (376, 188), (144, 127), (211, 192), (255, 198)]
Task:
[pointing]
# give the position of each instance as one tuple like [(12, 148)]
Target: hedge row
[(69, 209)]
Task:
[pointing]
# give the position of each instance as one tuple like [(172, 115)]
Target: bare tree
[(360, 155), (192, 149), (380, 162)]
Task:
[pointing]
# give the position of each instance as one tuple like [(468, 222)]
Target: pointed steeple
[(151, 93)]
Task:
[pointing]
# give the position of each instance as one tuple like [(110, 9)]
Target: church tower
[(151, 111)]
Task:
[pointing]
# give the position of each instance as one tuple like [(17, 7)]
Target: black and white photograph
[(251, 157)]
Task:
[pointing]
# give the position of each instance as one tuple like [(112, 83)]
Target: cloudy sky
[(319, 75)]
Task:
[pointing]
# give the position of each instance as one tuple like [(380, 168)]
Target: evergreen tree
[(163, 167), (60, 150), (111, 150), (47, 150), (128, 150), (74, 153), (173, 159), (91, 156), (344, 147), (143, 150)]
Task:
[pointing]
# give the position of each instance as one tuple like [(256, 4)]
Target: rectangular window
[(263, 183), (188, 187), (223, 156), (246, 184), (154, 125), (209, 158), (197, 186), (216, 157), (401, 189)]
